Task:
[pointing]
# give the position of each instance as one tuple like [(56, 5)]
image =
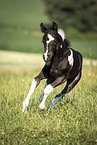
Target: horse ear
[(43, 28), (54, 27)]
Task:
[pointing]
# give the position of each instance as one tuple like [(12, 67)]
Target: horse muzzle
[(46, 57)]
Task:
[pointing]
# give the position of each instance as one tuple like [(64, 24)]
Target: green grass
[(73, 122), (20, 58)]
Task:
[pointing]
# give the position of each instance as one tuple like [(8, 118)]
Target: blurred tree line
[(80, 14)]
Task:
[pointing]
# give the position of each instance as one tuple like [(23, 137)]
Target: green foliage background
[(81, 14), (20, 27)]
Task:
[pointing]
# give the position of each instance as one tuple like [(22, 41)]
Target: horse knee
[(37, 80)]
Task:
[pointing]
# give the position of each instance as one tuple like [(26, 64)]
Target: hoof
[(24, 110), (25, 105), (42, 106)]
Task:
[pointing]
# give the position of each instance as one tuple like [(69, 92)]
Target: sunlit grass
[(73, 121), (17, 58)]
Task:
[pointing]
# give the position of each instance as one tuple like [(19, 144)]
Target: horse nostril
[(46, 57)]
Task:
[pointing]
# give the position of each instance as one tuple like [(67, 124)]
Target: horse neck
[(62, 50)]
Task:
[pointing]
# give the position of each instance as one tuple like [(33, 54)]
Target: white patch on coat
[(70, 57), (26, 101), (47, 91), (61, 46), (61, 33)]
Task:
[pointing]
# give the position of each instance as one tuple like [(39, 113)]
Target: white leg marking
[(47, 91), (70, 58), (26, 101)]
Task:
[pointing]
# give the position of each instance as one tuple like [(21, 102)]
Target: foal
[(62, 64)]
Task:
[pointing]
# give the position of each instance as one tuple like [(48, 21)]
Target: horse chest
[(59, 67)]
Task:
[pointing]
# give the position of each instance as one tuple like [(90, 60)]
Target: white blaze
[(45, 54), (50, 38)]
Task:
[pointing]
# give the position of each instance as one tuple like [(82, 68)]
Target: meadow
[(72, 122)]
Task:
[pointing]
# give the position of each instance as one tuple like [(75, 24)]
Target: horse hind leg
[(69, 86)]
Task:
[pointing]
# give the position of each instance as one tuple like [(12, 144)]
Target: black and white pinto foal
[(61, 64)]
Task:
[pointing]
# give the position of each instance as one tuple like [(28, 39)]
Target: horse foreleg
[(48, 89), (41, 96), (26, 101), (34, 84)]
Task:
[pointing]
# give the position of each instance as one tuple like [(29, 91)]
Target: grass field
[(73, 122)]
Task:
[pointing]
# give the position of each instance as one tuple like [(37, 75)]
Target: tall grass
[(73, 121)]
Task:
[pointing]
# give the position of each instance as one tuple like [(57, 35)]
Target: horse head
[(52, 40)]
